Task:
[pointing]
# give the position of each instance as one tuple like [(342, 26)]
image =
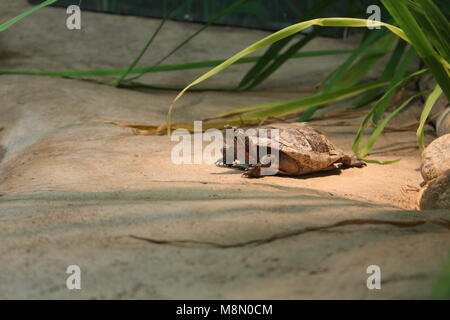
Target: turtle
[(301, 150)]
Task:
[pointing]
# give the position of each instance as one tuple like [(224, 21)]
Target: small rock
[(436, 158), (437, 194), (443, 123)]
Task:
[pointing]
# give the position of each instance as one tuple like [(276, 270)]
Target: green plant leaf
[(379, 129), (278, 109), (163, 68), (379, 162), (259, 66), (281, 59), (350, 72), (16, 19), (364, 123), (272, 60), (404, 17), (141, 54), (219, 16), (429, 104), (345, 68), (216, 18), (435, 24), (388, 73), (283, 33), (262, 112), (399, 73)]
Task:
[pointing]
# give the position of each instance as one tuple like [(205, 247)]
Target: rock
[(443, 123), (436, 171), (436, 158), (437, 194)]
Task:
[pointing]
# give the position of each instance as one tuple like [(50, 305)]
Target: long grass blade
[(350, 73), (16, 19), (216, 18), (329, 22), (262, 62), (359, 69), (219, 16), (405, 19), (141, 54), (388, 73), (286, 32), (429, 104), (263, 112), (379, 129), (281, 59), (436, 25), (342, 70), (278, 109), (364, 123), (398, 75), (271, 60), (164, 68), (379, 162)]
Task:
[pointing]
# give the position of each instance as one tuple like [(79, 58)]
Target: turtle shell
[(306, 145)]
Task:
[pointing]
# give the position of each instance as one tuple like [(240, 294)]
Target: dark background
[(259, 14)]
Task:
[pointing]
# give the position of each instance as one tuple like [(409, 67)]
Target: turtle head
[(233, 139)]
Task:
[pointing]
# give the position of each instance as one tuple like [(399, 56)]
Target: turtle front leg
[(222, 162), (351, 161), (286, 166), (254, 171)]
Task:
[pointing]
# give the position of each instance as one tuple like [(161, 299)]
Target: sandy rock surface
[(75, 191)]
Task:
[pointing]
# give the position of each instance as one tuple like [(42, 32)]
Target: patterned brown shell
[(306, 145)]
